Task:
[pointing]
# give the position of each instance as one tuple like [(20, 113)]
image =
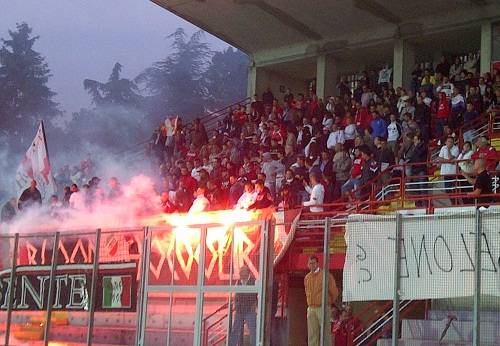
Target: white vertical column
[(252, 80), (486, 47), (326, 76), (404, 61)]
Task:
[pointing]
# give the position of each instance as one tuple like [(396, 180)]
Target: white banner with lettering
[(437, 257)]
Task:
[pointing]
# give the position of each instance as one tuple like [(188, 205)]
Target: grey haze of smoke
[(139, 200), (114, 136)]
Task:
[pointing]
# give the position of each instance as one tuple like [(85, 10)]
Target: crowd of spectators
[(299, 150)]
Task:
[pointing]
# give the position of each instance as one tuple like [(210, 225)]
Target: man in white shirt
[(78, 198), (384, 75), (248, 197), (317, 194), (201, 203), (445, 87), (336, 136), (447, 156), (271, 168)]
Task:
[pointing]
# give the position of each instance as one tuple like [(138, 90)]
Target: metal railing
[(212, 118)]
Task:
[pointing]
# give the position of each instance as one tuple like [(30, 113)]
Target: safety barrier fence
[(418, 279), (146, 286)]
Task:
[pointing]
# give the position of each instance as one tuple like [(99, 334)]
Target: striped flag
[(116, 291)]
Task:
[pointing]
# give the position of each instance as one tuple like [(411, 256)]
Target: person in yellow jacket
[(313, 283)]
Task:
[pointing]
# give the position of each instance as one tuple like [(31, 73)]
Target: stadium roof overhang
[(271, 31)]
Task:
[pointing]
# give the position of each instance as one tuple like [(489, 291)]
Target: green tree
[(174, 83), (116, 91), (25, 97), (225, 79)]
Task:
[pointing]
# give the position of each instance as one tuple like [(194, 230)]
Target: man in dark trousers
[(245, 305), (482, 183), (31, 196)]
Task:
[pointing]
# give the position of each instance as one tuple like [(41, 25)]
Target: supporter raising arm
[(317, 194)]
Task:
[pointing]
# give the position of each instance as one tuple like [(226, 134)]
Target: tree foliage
[(225, 79), (175, 82), (116, 91), (25, 97)]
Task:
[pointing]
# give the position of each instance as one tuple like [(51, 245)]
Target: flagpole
[(45, 141)]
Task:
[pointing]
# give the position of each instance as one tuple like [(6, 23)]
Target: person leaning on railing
[(482, 184)]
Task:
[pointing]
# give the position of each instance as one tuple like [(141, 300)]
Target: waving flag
[(36, 166)]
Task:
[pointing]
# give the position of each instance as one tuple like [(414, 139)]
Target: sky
[(84, 38)]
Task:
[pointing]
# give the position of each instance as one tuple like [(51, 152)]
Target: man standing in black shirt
[(31, 196), (482, 183), (245, 305)]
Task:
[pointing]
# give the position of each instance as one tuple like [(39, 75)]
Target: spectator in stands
[(263, 199), (384, 76), (457, 108), (384, 156), (346, 328), (455, 69), (443, 67), (486, 152), (247, 198), (354, 180), (66, 196), (394, 133), (115, 190), (341, 168), (201, 202), (423, 117), (447, 157), (482, 183), (336, 136), (78, 198), (166, 205), (235, 190), (268, 97), (271, 167), (9, 210), (316, 191), (363, 117), (313, 283), (245, 305), (30, 197), (369, 170), (443, 114), (445, 87), (326, 164), (416, 157), (465, 165), (378, 126)]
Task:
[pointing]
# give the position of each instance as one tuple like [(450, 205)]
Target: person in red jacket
[(188, 181), (355, 178), (443, 113), (346, 328), (362, 118)]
